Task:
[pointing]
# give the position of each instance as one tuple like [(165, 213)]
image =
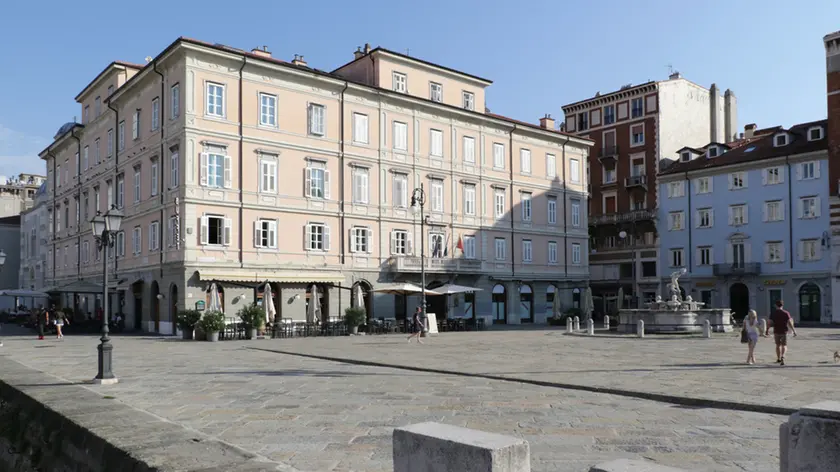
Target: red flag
[(460, 244)]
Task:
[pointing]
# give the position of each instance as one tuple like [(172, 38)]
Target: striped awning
[(291, 278)]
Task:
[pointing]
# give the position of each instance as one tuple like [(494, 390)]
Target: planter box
[(213, 337)]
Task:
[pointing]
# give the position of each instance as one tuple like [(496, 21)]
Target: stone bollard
[(630, 465), (446, 448), (640, 329), (607, 322), (707, 329), (590, 327), (763, 326), (577, 324), (808, 441), (569, 326)]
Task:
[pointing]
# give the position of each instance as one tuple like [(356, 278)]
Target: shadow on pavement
[(295, 373)]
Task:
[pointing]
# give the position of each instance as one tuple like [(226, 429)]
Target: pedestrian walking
[(781, 322), (751, 328), (417, 325), (43, 320), (60, 319)]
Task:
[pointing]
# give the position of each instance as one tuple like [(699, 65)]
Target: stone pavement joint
[(657, 397)]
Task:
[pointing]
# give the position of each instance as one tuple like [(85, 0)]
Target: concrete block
[(707, 329), (813, 434), (630, 465), (640, 328), (577, 324), (435, 447), (590, 327), (569, 326), (606, 322), (783, 447)]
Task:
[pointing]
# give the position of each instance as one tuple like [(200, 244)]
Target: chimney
[(730, 116), (675, 75), (547, 122), (367, 49), (714, 115), (262, 52), (832, 71), (358, 53), (749, 130), (298, 60)]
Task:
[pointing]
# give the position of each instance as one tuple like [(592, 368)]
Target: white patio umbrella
[(405, 289), (313, 312), (268, 301), (555, 305), (360, 299), (450, 289), (215, 303), (588, 303), (620, 298)]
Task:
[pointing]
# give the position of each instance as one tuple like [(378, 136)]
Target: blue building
[(749, 222)]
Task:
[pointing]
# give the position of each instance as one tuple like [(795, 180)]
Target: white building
[(34, 242)]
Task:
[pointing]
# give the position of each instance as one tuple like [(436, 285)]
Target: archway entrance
[(739, 300), (367, 297), (436, 304), (155, 303), (173, 307), (499, 304), (809, 303), (137, 291), (550, 293), (526, 304)]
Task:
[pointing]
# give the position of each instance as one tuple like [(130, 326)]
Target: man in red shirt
[(782, 323)]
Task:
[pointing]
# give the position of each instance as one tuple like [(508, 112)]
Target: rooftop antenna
[(670, 69), (407, 51)]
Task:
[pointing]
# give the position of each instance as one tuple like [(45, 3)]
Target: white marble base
[(105, 381)]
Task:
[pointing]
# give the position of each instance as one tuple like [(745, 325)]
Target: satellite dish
[(148, 59)]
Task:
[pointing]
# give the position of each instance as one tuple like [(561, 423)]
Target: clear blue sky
[(541, 54)]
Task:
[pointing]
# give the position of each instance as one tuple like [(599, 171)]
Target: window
[(675, 190), (609, 114), (469, 199), (676, 257), (121, 135), (469, 247), (120, 245), (576, 213), (360, 185), (175, 101), (526, 206), (780, 140), (317, 237), (501, 249), (86, 116), (360, 128), (636, 108), (469, 100), (550, 166), (265, 233), (809, 170), (498, 156), (215, 169), (810, 250), (815, 133), (400, 136), (469, 149), (712, 151), (737, 215), (96, 153), (576, 253), (774, 211), (705, 218), (137, 173), (704, 185), (583, 121), (154, 236), (58, 174), (78, 214), (173, 168), (317, 182), (704, 254), (552, 210), (85, 155), (135, 125), (155, 114), (574, 170), (552, 252), (109, 195), (436, 143), (435, 92), (773, 175), (436, 195), (360, 240), (400, 242), (675, 221), (154, 177), (120, 190), (268, 110), (96, 199), (215, 99), (137, 241), (400, 82), (57, 219), (316, 119), (78, 165), (610, 176), (110, 142), (527, 252), (173, 231), (685, 156), (525, 161), (737, 180), (85, 208), (774, 252), (97, 107), (215, 230), (637, 135), (499, 203), (110, 90), (809, 207), (400, 191)]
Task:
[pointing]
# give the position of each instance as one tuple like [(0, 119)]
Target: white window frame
[(110, 142), (525, 198), (676, 221), (773, 175), (499, 202), (265, 233), (317, 119), (737, 180), (268, 109), (121, 135), (311, 182), (211, 161), (268, 174), (226, 230), (120, 190), (808, 170), (154, 236), (500, 245), (400, 190), (137, 241), (155, 113), (135, 125), (120, 249), (576, 213), (360, 128), (175, 101), (774, 211), (705, 218), (468, 99), (576, 253), (634, 142), (677, 258), (574, 170), (435, 92), (551, 210), (810, 250), (774, 252), (312, 243), (154, 176), (498, 156), (703, 185), (527, 250), (138, 173), (738, 210), (97, 155), (435, 143), (436, 195), (550, 165), (97, 107), (552, 252), (399, 82), (704, 252), (525, 161), (468, 148), (820, 132), (780, 140), (86, 158), (469, 247), (361, 185), (469, 199), (174, 163), (809, 207), (361, 238), (214, 91), (400, 242), (400, 136)]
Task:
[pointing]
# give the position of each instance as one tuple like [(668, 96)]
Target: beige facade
[(17, 194), (236, 168)]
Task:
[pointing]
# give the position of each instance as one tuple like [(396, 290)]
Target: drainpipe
[(161, 166), (341, 186), (52, 224), (241, 180), (512, 230), (565, 213), (688, 220), (790, 213), (116, 163), (78, 197)]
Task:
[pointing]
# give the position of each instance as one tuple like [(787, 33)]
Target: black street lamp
[(105, 229), (418, 201)]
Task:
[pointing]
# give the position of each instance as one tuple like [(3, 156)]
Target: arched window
[(499, 304), (526, 304)]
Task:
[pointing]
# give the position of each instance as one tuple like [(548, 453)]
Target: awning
[(23, 293), (258, 278), (78, 286)]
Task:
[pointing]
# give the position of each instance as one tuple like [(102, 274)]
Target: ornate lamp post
[(105, 228), (418, 201)]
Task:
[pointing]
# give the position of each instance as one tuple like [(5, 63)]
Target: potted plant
[(354, 316), (254, 318), (187, 319), (212, 323)]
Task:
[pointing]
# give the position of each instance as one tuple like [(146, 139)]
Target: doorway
[(137, 291), (367, 298), (155, 301), (499, 308), (526, 304), (739, 300), (809, 303), (436, 304), (173, 308)]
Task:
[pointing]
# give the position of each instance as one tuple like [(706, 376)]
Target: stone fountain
[(675, 315)]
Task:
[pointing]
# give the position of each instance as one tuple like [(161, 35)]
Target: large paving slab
[(316, 415)]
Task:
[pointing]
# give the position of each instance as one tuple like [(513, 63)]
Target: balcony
[(749, 268), (608, 154), (636, 181), (628, 217), (434, 264)]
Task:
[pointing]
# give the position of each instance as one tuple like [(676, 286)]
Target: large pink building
[(238, 168)]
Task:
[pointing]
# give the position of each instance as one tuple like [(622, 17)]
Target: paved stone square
[(318, 415)]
